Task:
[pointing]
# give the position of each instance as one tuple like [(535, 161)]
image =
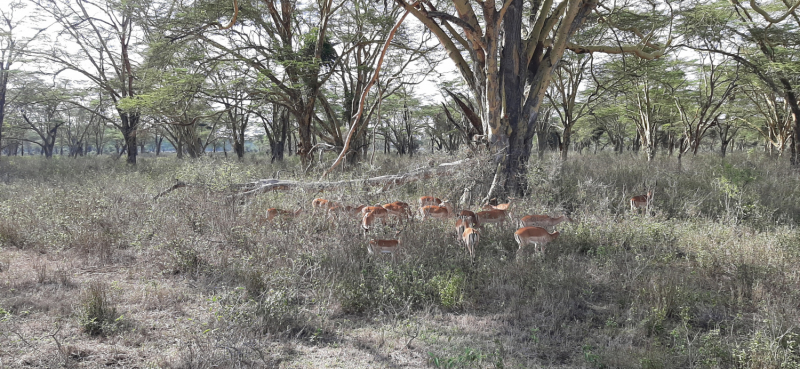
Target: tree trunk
[(566, 140), (238, 147), (541, 139), (178, 144), (159, 140), (130, 122), (277, 148), (3, 90)]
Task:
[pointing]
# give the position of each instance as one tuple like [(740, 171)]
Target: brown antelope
[(429, 200), (466, 214), (354, 211), (505, 206), (433, 211), (398, 209), (369, 218), (538, 236), (545, 221), (349, 211), (462, 224), (274, 212), (384, 247), (323, 204), (491, 216), (641, 201), (366, 209), (471, 236)]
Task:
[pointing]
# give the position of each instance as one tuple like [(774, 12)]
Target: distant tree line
[(124, 77)]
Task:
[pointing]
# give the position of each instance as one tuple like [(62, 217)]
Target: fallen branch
[(386, 182), (178, 185)]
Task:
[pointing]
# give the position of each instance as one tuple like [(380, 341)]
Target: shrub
[(98, 315), (450, 287), (11, 235), (275, 311)]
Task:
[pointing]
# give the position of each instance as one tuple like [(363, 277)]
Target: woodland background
[(578, 108)]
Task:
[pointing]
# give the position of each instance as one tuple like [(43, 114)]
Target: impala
[(641, 201), (492, 216), (274, 212), (398, 209), (536, 235), (471, 236), (349, 211), (505, 206), (542, 221), (463, 224), (369, 218), (429, 200), (433, 211), (323, 204), (367, 209), (386, 246), (354, 211), (466, 214)]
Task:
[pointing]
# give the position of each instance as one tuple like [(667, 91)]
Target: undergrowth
[(706, 279)]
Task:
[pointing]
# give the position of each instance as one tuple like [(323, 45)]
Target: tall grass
[(708, 278)]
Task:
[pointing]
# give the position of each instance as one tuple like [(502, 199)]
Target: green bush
[(390, 287), (450, 286), (97, 314), (275, 311)]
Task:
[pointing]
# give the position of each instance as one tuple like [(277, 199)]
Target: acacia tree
[(362, 27), (568, 100), (42, 109), (12, 49), (649, 90), (763, 39), (83, 116), (105, 51), (699, 105), (510, 82), (174, 103), (610, 119), (266, 36), (769, 115), (229, 87)]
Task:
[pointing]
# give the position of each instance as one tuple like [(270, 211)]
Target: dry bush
[(707, 279), (97, 314)]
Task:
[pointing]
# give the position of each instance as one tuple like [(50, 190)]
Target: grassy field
[(94, 272)]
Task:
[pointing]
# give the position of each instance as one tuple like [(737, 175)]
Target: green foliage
[(216, 175), (11, 235), (731, 183), (451, 288), (97, 315), (185, 259), (470, 358), (274, 311), (328, 53), (382, 286)]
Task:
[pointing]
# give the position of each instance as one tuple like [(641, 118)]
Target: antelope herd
[(533, 229)]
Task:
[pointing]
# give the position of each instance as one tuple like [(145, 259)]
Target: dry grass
[(93, 272)]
